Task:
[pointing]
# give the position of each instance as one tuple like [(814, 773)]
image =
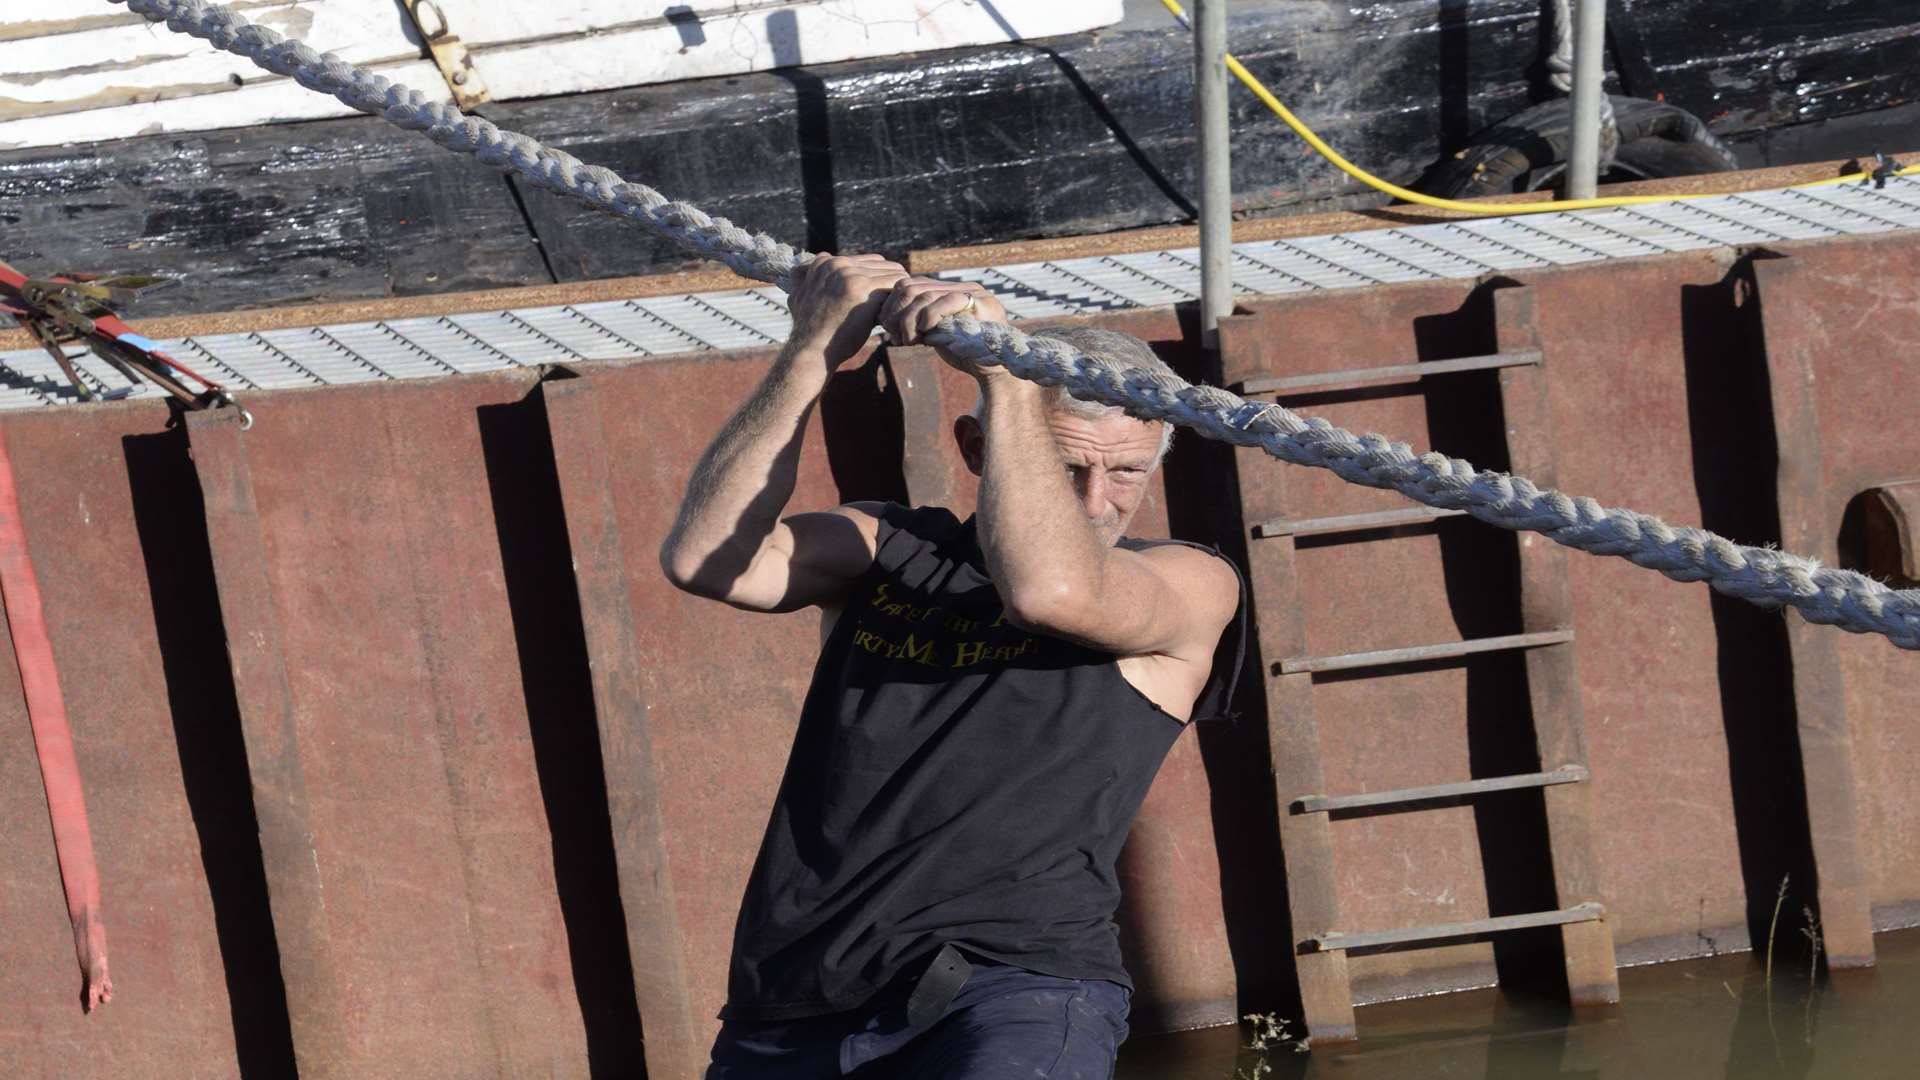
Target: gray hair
[(1113, 347)]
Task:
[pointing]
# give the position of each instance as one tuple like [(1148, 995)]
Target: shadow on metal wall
[(551, 644), (1203, 505), (1735, 460), (191, 637), (1480, 569)]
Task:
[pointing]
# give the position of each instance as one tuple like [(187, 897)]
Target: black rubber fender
[(1528, 150)]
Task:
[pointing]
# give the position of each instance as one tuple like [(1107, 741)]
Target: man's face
[(1110, 459)]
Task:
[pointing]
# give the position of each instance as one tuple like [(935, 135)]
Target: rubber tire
[(1529, 149)]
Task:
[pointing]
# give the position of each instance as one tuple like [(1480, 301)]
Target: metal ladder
[(1321, 938)]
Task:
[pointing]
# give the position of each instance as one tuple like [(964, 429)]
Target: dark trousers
[(1005, 1022)]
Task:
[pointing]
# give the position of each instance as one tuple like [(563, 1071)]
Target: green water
[(1695, 1018)]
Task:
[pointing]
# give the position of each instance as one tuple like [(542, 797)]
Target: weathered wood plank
[(1745, 65), (76, 16), (85, 79), (759, 37), (736, 145), (98, 70), (55, 64), (1086, 135), (266, 103), (493, 22), (339, 208)]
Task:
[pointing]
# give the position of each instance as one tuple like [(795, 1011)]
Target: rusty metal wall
[(155, 741), (404, 760), (1660, 385), (1855, 324)]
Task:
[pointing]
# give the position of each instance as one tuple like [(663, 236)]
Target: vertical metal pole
[(1216, 184), (1589, 74)]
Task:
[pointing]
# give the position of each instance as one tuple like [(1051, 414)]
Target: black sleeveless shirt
[(955, 779)]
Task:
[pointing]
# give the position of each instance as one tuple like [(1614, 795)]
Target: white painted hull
[(81, 71)]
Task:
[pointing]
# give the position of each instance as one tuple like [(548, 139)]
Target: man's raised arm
[(1055, 571), (729, 542)]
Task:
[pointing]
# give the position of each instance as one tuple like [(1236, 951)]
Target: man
[(934, 896)]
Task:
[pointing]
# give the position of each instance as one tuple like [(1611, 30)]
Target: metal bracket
[(449, 53), (1900, 502)]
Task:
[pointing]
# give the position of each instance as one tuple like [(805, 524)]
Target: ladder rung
[(1286, 384), (1416, 515), (1301, 664), (1335, 941), (1321, 804)]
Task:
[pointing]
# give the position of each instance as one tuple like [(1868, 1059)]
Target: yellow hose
[(1493, 209)]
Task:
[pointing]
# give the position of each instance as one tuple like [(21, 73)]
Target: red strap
[(53, 739), (108, 325)]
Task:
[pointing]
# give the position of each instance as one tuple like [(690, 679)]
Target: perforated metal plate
[(664, 325)]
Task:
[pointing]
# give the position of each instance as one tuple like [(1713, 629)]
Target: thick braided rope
[(1762, 575)]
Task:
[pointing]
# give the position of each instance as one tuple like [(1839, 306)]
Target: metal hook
[(225, 397), (421, 23)]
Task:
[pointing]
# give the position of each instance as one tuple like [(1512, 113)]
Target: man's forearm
[(1041, 551), (742, 483)]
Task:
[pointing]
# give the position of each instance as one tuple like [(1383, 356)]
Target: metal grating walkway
[(661, 325)]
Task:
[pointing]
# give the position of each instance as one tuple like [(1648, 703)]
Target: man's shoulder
[(1184, 552), (1202, 573)]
